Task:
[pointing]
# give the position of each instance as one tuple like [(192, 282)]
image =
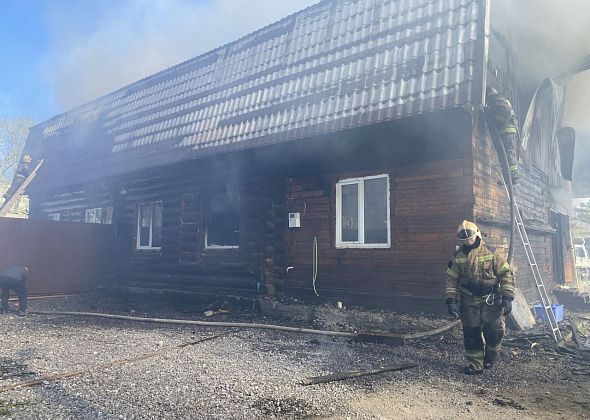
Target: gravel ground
[(250, 374)]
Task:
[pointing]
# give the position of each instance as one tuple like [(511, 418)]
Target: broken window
[(93, 215), (223, 220), (149, 226), (362, 212)]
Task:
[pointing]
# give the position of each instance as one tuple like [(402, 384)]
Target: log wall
[(430, 169), (183, 262)]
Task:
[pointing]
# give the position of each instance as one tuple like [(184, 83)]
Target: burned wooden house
[(331, 153)]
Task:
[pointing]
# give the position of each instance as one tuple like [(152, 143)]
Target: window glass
[(157, 225), (376, 211), (94, 215), (98, 215), (145, 221), (350, 213), (362, 212)]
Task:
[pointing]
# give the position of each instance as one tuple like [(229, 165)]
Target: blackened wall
[(430, 167)]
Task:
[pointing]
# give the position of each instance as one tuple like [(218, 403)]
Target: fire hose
[(395, 338), (249, 325), (503, 158)]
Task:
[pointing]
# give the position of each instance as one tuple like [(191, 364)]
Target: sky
[(58, 54)]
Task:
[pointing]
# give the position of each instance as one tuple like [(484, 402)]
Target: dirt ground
[(253, 373)]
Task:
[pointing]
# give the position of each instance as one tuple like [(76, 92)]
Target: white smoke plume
[(133, 39), (548, 36)]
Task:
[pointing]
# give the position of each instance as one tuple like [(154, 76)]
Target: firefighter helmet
[(491, 96), (26, 159), (468, 230)]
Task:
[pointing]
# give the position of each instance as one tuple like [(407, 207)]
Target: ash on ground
[(253, 373)]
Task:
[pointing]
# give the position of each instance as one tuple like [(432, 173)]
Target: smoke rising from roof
[(548, 36), (136, 38)]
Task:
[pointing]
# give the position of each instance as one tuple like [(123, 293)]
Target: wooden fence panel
[(63, 257)]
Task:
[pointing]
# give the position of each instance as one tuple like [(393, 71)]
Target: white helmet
[(468, 230)]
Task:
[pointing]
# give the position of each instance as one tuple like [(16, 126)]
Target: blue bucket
[(542, 316)]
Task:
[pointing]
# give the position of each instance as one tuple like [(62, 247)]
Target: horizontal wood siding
[(426, 202)]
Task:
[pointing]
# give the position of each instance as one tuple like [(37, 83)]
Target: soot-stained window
[(223, 220)]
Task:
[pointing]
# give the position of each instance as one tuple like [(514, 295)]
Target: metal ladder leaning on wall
[(545, 300), (13, 199), (541, 289)]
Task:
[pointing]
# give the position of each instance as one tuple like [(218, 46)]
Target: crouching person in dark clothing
[(14, 278)]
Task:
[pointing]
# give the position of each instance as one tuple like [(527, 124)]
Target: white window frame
[(360, 182), (53, 217), (138, 240), (91, 214)]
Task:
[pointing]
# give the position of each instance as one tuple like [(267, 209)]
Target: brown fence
[(62, 257)]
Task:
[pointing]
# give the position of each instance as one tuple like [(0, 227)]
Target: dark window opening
[(223, 227)]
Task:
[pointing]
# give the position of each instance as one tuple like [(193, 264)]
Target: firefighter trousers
[(483, 329), (510, 141), (19, 288)]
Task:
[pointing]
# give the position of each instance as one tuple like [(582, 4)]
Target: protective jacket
[(478, 271), (14, 278), (501, 112)]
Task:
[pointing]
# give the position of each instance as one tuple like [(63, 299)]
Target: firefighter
[(500, 113), (22, 172), (480, 290), (14, 278)]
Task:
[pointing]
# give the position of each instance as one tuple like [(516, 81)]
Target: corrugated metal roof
[(335, 65)]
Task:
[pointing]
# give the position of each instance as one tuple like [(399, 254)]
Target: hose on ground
[(247, 325)]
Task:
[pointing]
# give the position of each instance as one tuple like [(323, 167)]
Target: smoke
[(98, 47), (548, 36)]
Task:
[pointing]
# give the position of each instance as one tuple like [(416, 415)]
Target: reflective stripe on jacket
[(479, 272)]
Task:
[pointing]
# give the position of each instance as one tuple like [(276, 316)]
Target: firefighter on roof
[(480, 290), (500, 113), (22, 172)]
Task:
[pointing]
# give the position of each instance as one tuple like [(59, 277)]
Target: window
[(93, 215), (149, 226), (223, 221), (363, 213), (53, 216)]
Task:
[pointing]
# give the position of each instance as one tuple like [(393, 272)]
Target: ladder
[(545, 299), (13, 199), (541, 289)]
